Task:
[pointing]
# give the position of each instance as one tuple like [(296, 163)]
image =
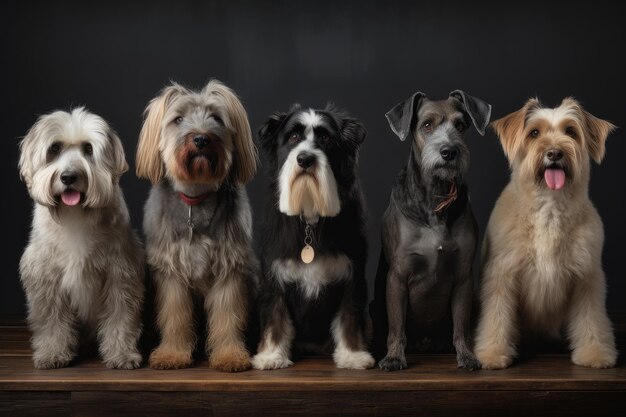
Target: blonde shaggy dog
[(83, 264), (196, 148), (542, 252)]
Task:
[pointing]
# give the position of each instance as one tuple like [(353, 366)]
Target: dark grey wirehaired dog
[(429, 233)]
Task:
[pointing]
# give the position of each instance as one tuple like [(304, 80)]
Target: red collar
[(194, 201)]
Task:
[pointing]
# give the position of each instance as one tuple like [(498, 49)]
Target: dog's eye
[(294, 138), (218, 119), (534, 133), (427, 126), (88, 149), (460, 126), (324, 137), (178, 120), (55, 148), (571, 132)]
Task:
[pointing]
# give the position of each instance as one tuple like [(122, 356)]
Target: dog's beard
[(552, 176), (433, 165), (309, 195), (207, 166)]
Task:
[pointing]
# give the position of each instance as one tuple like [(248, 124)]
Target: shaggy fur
[(542, 252), (318, 306), (83, 264), (198, 143)]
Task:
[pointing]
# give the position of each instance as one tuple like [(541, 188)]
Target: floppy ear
[(120, 166), (148, 159), (478, 110), (267, 132), (245, 154), (510, 129), (27, 150), (401, 115), (597, 131), (353, 130)]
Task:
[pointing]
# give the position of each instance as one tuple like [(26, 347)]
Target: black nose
[(306, 159), (449, 153), (554, 155), (201, 141), (68, 177)]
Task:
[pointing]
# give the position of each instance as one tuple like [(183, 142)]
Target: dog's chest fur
[(310, 279)]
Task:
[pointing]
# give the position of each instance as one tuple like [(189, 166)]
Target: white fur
[(313, 277), (345, 357), (273, 356)]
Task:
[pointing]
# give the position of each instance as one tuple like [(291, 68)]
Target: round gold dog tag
[(307, 254)]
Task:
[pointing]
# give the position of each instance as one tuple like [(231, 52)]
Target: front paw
[(130, 360), (51, 361), (165, 358), (494, 358), (468, 362), (353, 360), (235, 360), (389, 363), (595, 356), (270, 360)]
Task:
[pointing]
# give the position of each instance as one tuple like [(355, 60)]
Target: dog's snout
[(449, 153), (201, 141), (305, 159), (68, 177), (554, 155)]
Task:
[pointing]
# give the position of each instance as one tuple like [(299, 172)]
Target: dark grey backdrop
[(363, 55)]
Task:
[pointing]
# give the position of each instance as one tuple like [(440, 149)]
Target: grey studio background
[(363, 55)]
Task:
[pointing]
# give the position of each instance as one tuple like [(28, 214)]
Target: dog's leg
[(120, 320), (175, 321), (589, 329), (347, 330), (225, 304), (278, 333), (497, 331), (55, 337), (397, 296), (461, 310)]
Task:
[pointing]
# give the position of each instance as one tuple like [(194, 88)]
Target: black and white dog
[(314, 242), (429, 233)]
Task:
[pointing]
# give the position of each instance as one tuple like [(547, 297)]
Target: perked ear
[(267, 132), (148, 159), (510, 129), (401, 115), (597, 130), (245, 154), (478, 110)]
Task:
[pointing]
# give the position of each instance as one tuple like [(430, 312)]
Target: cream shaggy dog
[(83, 264), (542, 252)]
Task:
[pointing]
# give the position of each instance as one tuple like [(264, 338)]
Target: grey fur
[(426, 264), (83, 264)]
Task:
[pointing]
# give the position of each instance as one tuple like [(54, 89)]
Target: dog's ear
[(353, 131), (267, 132), (118, 158), (148, 159), (401, 115), (596, 132), (478, 110), (510, 129), (28, 150), (245, 155)]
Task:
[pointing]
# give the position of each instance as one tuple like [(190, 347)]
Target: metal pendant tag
[(308, 254)]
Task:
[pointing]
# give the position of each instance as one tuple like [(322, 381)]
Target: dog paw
[(392, 364), (231, 361), (468, 362), (595, 356), (494, 359), (130, 360), (51, 361), (353, 360), (270, 360), (164, 358)]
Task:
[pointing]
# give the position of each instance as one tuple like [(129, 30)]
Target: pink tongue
[(555, 178), (70, 197)]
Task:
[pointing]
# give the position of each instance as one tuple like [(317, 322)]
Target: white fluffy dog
[(83, 264), (542, 254)]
